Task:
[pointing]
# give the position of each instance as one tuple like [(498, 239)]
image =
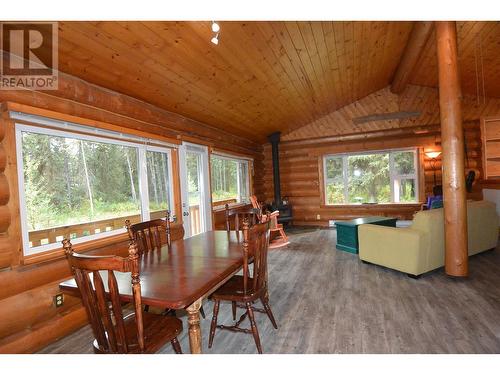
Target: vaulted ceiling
[(263, 76), (479, 59)]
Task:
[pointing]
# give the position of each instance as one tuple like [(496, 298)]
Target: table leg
[(194, 327)]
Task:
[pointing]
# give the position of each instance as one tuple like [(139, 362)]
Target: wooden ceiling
[(263, 76), (414, 98), (479, 59)]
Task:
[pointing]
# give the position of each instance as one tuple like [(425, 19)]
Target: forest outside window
[(84, 187), (376, 177), (230, 180)]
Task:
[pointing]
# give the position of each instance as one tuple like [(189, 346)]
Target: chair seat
[(158, 331), (232, 290)]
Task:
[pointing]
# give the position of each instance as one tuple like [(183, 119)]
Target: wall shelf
[(490, 137)]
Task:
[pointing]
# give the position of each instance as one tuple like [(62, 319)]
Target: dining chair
[(244, 290), (151, 235), (114, 331), (237, 215), (155, 233)]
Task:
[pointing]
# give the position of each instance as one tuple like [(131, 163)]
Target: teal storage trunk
[(347, 231)]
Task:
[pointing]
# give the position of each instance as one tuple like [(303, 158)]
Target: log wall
[(414, 98), (301, 160)]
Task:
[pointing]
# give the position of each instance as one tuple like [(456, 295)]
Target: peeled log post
[(3, 158), (452, 138)]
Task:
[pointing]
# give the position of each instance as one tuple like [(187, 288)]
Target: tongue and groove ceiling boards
[(262, 77), (479, 59), (414, 98)]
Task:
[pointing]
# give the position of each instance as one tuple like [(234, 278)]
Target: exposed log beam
[(453, 158), (427, 129), (418, 38), (386, 116)]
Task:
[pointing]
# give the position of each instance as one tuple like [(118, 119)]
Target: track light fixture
[(215, 29)]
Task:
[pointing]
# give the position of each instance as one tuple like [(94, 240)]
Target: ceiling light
[(215, 39), (215, 27)]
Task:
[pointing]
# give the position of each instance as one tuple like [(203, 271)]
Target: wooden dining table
[(181, 276)]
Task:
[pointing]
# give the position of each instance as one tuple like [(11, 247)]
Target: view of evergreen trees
[(368, 178), (193, 162), (224, 179), (158, 181), (69, 181)]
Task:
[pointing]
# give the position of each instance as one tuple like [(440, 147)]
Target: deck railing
[(219, 204), (57, 234)]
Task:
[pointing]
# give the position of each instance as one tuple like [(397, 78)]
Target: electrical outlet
[(58, 300), (318, 217)]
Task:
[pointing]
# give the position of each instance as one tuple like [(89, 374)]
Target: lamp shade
[(433, 154)]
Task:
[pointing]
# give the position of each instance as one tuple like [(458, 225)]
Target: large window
[(230, 180), (82, 186), (377, 177), (158, 183)]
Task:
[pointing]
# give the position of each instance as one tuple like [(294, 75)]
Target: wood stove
[(282, 205)]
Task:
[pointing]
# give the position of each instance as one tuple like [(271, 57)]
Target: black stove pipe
[(275, 140)]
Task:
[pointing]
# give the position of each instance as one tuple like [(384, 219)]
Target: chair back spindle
[(168, 230), (255, 246)]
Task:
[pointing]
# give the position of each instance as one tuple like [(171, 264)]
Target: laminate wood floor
[(328, 301)]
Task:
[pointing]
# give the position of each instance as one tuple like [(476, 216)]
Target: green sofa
[(420, 247)]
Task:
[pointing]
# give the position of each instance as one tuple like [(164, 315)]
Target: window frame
[(393, 175), (103, 137), (239, 159)]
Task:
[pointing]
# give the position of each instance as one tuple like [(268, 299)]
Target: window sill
[(82, 247), (365, 205)]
